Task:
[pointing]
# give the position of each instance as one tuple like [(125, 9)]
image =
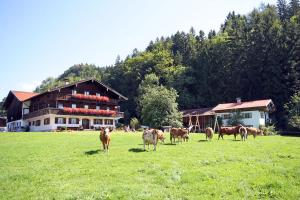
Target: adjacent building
[(254, 114), (87, 104)]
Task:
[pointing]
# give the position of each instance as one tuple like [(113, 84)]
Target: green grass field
[(72, 166)]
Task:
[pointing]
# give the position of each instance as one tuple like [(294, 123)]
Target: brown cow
[(229, 131), (209, 132), (254, 131), (105, 138), (179, 133), (161, 136)]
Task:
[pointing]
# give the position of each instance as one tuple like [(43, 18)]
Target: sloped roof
[(23, 96), (199, 111), (82, 81), (243, 105)]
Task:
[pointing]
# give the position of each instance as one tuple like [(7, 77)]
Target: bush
[(134, 123), (269, 130)]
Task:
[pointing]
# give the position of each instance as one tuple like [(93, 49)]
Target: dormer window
[(98, 94), (74, 92), (86, 93)]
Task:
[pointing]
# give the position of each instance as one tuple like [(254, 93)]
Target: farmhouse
[(254, 114), (87, 104)]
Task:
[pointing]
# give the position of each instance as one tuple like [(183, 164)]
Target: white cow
[(150, 137)]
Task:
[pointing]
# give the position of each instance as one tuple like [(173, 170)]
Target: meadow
[(73, 166)]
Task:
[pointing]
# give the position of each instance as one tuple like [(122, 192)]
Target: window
[(86, 93), (33, 123), (46, 121), (37, 122), (226, 116), (107, 108), (60, 120), (29, 123), (246, 115), (60, 105), (262, 115), (86, 106), (73, 121), (98, 94), (98, 121), (97, 107), (73, 105), (108, 122), (26, 111), (74, 92)]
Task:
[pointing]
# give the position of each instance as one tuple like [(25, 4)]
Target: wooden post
[(215, 123)]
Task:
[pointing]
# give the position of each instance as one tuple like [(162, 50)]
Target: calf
[(243, 132), (150, 137), (105, 138), (254, 131), (209, 132), (161, 136)]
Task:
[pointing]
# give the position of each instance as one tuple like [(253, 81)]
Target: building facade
[(87, 104)]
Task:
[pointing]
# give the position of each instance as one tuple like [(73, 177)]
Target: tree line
[(253, 56)]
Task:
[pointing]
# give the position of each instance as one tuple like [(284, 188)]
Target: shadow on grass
[(170, 144), (92, 152), (236, 140), (202, 140), (136, 150)]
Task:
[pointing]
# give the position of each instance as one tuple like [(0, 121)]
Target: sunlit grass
[(72, 166)]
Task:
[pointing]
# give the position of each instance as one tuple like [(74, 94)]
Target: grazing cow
[(243, 132), (229, 131), (254, 131), (161, 136), (179, 133), (209, 132), (105, 138), (150, 137)]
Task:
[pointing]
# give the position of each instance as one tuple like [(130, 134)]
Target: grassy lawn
[(71, 166)]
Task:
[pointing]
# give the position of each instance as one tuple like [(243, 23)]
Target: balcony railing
[(58, 111), (87, 98)]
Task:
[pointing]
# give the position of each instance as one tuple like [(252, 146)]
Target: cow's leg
[(234, 136), (154, 147), (206, 136), (144, 146), (103, 144), (254, 135)]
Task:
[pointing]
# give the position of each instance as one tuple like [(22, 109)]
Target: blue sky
[(39, 39)]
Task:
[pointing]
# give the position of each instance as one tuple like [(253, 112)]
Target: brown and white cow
[(105, 138), (180, 133), (254, 131), (209, 132), (229, 131), (243, 132), (150, 137)]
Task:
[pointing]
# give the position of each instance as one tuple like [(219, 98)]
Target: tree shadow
[(92, 152), (136, 150)]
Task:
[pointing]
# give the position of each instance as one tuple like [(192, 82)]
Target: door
[(85, 123)]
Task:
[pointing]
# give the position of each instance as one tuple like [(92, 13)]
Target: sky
[(40, 39)]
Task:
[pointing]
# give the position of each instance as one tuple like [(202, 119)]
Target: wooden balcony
[(58, 111), (69, 97)]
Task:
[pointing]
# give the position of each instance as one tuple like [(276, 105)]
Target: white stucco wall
[(254, 121), (53, 126)]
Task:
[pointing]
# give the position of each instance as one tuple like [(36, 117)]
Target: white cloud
[(30, 86)]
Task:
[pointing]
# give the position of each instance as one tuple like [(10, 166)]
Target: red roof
[(243, 105), (199, 111), (23, 96)]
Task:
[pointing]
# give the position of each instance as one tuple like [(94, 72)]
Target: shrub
[(134, 123), (269, 130)]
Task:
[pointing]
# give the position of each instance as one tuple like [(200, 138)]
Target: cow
[(105, 138), (229, 131), (243, 132), (209, 132), (150, 137), (254, 131), (179, 133), (160, 135)]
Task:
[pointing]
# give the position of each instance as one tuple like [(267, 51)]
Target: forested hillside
[(253, 56)]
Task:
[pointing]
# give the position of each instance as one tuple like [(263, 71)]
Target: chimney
[(238, 100), (66, 80)]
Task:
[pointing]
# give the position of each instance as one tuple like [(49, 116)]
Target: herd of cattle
[(152, 136)]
